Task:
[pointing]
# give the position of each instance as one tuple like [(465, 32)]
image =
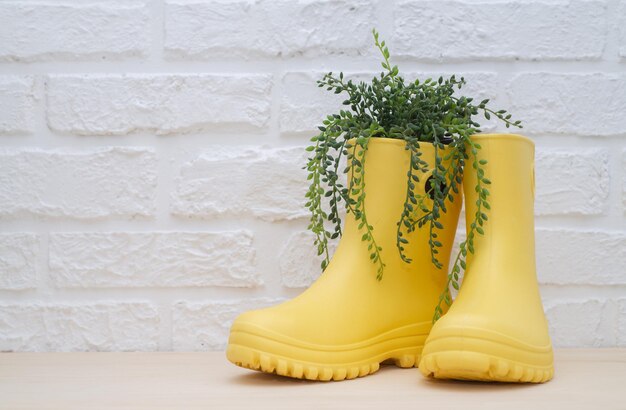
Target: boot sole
[(467, 358), (253, 348)]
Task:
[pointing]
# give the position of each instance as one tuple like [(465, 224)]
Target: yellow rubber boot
[(348, 322), (496, 329)]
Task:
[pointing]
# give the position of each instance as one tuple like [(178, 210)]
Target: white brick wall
[(622, 29), (145, 259), (266, 183), (571, 104), (17, 103), (163, 104), (40, 31), (205, 30), (572, 182), (87, 184), (504, 30), (18, 260), (150, 154), (33, 326)]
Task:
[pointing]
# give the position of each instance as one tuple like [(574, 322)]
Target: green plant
[(415, 112)]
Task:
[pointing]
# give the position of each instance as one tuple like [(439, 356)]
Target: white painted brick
[(95, 183), (18, 260), (624, 180), (120, 104), (580, 257), (298, 261), (205, 326), (79, 327), (17, 104), (621, 323), (622, 28), (87, 31), (267, 28), (304, 105), (529, 30), (572, 182), (573, 104), (238, 181), (577, 323), (132, 259)]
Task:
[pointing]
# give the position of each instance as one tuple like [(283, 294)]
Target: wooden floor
[(585, 379)]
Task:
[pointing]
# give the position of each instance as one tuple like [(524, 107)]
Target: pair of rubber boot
[(348, 322)]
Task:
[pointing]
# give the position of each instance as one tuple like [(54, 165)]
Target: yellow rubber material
[(496, 329), (259, 349), (348, 322)]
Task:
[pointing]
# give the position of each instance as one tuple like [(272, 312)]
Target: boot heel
[(407, 360), (464, 365), (477, 356)]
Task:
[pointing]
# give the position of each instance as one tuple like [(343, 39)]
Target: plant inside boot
[(416, 112)]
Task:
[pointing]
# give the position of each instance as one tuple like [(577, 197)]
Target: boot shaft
[(411, 288), (510, 168), (501, 278), (386, 164)]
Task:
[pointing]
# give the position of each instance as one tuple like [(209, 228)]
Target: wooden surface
[(585, 379)]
